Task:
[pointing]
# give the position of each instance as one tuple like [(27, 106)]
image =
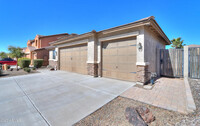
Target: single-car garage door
[(119, 59), (74, 59)]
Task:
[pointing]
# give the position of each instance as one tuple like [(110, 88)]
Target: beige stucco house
[(128, 52)]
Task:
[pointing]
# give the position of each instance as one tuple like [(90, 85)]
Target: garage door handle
[(116, 66), (71, 58)]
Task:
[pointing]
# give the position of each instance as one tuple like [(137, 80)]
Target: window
[(36, 43), (32, 43), (54, 54)]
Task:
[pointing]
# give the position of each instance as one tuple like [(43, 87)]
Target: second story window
[(32, 43), (36, 43)]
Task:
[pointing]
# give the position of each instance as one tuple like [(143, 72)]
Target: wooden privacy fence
[(194, 62), (171, 62)]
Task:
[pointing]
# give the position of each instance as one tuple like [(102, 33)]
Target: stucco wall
[(53, 62), (92, 50), (151, 49), (50, 54)]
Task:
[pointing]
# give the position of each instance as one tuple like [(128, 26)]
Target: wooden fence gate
[(171, 61), (194, 62)]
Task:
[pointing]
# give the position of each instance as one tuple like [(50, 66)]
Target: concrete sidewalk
[(54, 98)]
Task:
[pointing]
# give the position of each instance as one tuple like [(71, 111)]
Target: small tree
[(3, 55), (177, 43), (15, 52)]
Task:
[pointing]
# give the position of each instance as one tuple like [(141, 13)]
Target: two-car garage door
[(119, 59), (74, 59)]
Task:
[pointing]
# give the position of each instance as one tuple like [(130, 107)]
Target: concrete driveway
[(54, 98)]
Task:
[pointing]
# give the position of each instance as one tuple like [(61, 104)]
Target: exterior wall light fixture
[(139, 46)]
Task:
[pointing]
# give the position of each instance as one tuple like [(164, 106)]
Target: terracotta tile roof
[(31, 48), (65, 38), (42, 36)]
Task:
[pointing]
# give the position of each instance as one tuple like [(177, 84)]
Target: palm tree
[(15, 52), (177, 43)]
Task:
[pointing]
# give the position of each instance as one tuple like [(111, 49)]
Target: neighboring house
[(127, 52), (193, 45), (36, 48)]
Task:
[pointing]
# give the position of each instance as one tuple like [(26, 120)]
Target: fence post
[(186, 67)]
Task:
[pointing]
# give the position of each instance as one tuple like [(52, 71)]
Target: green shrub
[(33, 68), (23, 58), (28, 70), (24, 62), (37, 63)]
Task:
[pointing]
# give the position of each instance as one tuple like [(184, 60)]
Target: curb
[(191, 107)]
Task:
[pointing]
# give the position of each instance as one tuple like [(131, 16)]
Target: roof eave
[(138, 23), (88, 34), (155, 25), (143, 22), (50, 47)]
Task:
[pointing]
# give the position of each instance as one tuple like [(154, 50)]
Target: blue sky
[(21, 20)]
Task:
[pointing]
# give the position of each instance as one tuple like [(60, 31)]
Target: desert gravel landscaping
[(8, 73), (112, 114)]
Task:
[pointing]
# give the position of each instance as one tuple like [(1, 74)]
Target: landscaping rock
[(145, 113), (133, 117)]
